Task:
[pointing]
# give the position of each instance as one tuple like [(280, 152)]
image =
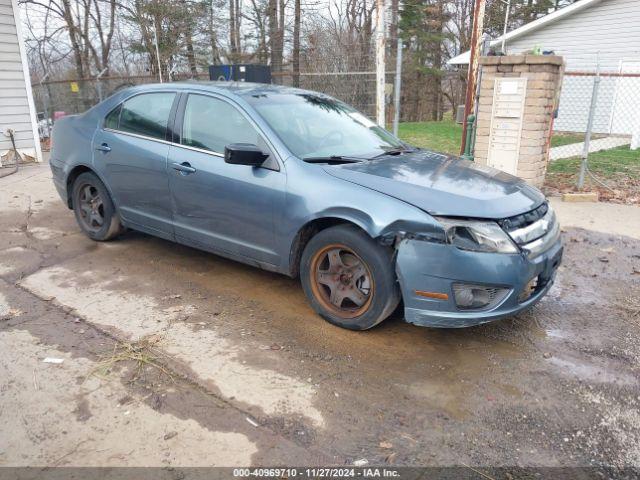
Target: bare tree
[(275, 48), (89, 24), (295, 60), (235, 15), (212, 32), (258, 17)]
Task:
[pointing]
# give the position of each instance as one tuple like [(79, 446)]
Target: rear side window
[(211, 124), (146, 114)]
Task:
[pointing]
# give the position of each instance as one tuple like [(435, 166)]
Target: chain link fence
[(341, 67), (596, 133), (57, 98), (76, 96), (357, 89)]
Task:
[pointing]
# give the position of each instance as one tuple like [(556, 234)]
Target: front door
[(218, 206), (131, 152)]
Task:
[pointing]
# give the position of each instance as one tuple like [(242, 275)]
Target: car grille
[(524, 219), (534, 231)]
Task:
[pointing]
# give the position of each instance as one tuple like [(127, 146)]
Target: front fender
[(312, 194)]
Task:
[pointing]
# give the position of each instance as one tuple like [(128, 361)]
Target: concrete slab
[(596, 145), (66, 415), (580, 197), (112, 300), (607, 218)]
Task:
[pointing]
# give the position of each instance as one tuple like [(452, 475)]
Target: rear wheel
[(349, 278), (94, 210)]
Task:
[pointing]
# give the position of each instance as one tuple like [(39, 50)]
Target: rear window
[(146, 114)]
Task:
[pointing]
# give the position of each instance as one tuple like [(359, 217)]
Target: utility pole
[(155, 39), (476, 40), (506, 24), (380, 63)]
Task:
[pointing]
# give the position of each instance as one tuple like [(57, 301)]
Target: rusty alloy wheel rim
[(91, 207), (341, 281)]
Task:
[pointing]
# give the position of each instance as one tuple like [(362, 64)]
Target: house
[(17, 111), (591, 35)]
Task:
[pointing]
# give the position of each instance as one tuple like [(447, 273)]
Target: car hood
[(443, 185)]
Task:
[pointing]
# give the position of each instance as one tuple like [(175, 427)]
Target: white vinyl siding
[(15, 112), (605, 34), (611, 27)]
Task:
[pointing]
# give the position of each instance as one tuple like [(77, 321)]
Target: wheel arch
[(359, 220), (75, 172)]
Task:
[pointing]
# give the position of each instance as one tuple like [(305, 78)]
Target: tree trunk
[(281, 5), (296, 45), (439, 25), (191, 56), (274, 41), (213, 38), (74, 37), (394, 27), (233, 50), (236, 24)]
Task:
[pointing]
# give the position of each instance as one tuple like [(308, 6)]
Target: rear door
[(218, 206), (131, 152)]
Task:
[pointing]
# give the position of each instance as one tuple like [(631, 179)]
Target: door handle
[(104, 148), (184, 168)]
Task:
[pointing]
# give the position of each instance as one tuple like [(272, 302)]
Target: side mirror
[(244, 154)]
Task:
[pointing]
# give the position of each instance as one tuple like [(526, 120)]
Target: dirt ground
[(175, 357)]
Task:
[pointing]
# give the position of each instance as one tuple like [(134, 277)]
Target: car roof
[(241, 89)]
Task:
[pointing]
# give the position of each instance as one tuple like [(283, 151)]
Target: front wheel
[(349, 278)]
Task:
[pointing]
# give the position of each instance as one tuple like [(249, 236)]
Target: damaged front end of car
[(459, 272)]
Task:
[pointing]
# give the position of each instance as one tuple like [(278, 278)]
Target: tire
[(95, 213), (348, 278)]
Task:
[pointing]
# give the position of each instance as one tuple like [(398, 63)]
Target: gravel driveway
[(176, 357)]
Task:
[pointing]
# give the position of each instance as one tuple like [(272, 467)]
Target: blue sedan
[(297, 182)]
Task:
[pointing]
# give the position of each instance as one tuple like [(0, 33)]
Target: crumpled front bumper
[(434, 267)]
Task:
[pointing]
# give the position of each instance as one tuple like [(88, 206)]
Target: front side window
[(211, 124), (146, 114)]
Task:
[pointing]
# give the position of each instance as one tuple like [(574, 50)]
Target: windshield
[(317, 126)]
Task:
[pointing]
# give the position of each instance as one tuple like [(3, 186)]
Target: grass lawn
[(560, 139), (445, 136), (618, 167), (608, 163), (440, 136)]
